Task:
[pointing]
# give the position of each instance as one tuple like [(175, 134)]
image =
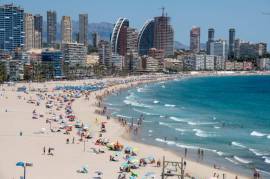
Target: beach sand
[(16, 116)]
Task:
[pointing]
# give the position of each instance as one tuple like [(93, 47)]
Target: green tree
[(3, 73)]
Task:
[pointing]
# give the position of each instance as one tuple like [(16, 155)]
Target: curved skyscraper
[(119, 36), (146, 37)]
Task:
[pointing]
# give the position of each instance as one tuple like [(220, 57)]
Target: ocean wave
[(143, 112), (169, 142), (123, 116), (258, 153), (220, 153), (161, 116), (135, 103), (187, 146), (180, 130), (177, 119), (268, 137), (163, 86), (169, 105), (216, 127), (140, 90), (201, 123), (257, 134), (155, 102), (266, 159), (201, 133), (150, 131), (262, 171), (232, 160), (237, 144), (241, 160), (164, 124)]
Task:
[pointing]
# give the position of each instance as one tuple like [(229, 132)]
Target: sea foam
[(177, 119), (237, 144), (169, 105), (257, 134), (257, 152), (266, 159), (241, 160), (201, 133)]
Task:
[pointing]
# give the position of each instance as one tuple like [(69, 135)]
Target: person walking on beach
[(44, 150), (199, 153), (202, 154), (185, 152)]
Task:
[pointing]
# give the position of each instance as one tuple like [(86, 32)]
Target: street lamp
[(24, 165)]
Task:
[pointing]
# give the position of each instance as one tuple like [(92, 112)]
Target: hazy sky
[(244, 15)]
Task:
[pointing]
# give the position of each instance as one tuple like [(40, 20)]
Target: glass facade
[(11, 27), (146, 37), (54, 58), (119, 36)]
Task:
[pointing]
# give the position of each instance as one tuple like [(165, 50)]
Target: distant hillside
[(179, 46), (104, 29)]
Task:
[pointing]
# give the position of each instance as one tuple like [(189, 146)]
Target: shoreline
[(71, 156), (129, 137)]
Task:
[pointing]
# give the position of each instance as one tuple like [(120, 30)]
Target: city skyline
[(250, 21)]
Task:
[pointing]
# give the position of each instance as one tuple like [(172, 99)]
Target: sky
[(246, 16)]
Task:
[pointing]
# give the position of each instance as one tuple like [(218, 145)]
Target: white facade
[(66, 29), (209, 62), (105, 53), (219, 48), (29, 31), (199, 62), (74, 53), (264, 63), (152, 64)]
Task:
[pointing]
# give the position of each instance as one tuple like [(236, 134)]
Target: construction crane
[(163, 10)]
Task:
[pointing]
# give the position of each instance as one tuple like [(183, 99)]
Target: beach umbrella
[(20, 164)]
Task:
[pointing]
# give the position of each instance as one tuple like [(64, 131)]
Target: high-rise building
[(211, 38), (83, 29), (231, 52), (53, 58), (195, 35), (37, 40), (96, 39), (163, 34), (132, 40), (219, 48), (11, 27), (29, 31), (261, 48), (119, 37), (66, 30), (105, 53), (51, 28), (146, 37), (38, 26), (74, 54)]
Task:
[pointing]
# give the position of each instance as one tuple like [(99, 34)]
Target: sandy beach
[(70, 123)]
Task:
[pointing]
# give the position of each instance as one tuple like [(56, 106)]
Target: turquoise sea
[(228, 117)]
